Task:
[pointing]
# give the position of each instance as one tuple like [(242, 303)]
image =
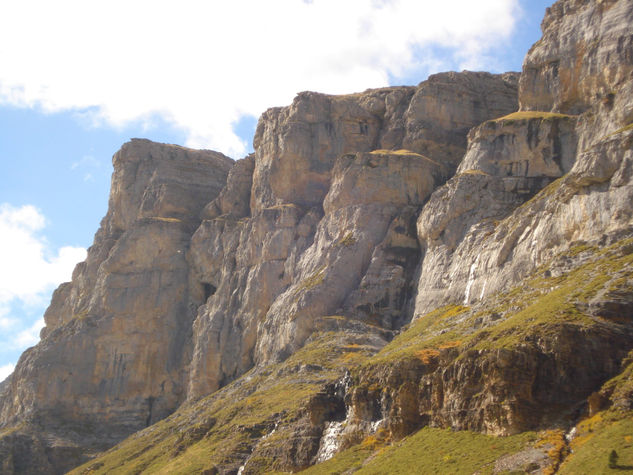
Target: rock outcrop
[(212, 267), (566, 128), (336, 185), (296, 146), (456, 254), (117, 338)]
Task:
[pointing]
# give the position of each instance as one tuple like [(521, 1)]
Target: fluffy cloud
[(29, 336), (29, 269), (202, 65), (6, 370)]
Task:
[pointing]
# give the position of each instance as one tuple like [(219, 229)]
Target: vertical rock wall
[(369, 208), (330, 226), (114, 351), (574, 93), (204, 267)]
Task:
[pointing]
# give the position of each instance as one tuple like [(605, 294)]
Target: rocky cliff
[(453, 255), (333, 189), (118, 337)]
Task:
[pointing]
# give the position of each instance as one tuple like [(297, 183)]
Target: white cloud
[(6, 321), (29, 336), (6, 370), (202, 65), (28, 270), (87, 161)]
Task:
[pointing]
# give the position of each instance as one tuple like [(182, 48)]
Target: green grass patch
[(5, 431), (428, 451), (473, 172), (223, 427), (165, 220), (350, 460), (423, 333), (579, 248), (282, 206), (312, 281), (402, 153), (346, 241), (538, 306), (81, 315), (544, 303), (619, 131), (331, 351), (591, 449)]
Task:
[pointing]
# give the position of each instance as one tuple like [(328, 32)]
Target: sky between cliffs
[(79, 78)]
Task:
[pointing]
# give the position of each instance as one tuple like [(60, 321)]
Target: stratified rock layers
[(336, 184), (204, 267), (569, 127), (364, 211), (118, 338)]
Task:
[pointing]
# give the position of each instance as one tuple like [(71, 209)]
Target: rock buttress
[(114, 352), (336, 184), (574, 125)]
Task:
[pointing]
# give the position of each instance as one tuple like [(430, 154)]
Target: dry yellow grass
[(526, 115)]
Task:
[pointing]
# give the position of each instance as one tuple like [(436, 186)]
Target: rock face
[(507, 162), (582, 61), (296, 146), (361, 243), (579, 67), (212, 266), (495, 240), (118, 337), (336, 185)]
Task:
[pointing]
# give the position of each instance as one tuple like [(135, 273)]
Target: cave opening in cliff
[(209, 290)]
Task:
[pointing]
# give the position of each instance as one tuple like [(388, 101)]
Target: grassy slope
[(222, 429), (527, 115), (600, 435), (427, 451), (607, 430), (538, 306)]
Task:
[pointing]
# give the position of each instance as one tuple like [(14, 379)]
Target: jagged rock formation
[(468, 254), (336, 184), (117, 338), (260, 297)]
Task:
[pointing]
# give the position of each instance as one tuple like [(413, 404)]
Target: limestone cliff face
[(486, 218), (570, 126), (204, 267), (336, 184), (296, 146), (507, 162), (117, 338), (582, 61)]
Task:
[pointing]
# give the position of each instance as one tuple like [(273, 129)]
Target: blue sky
[(74, 87)]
